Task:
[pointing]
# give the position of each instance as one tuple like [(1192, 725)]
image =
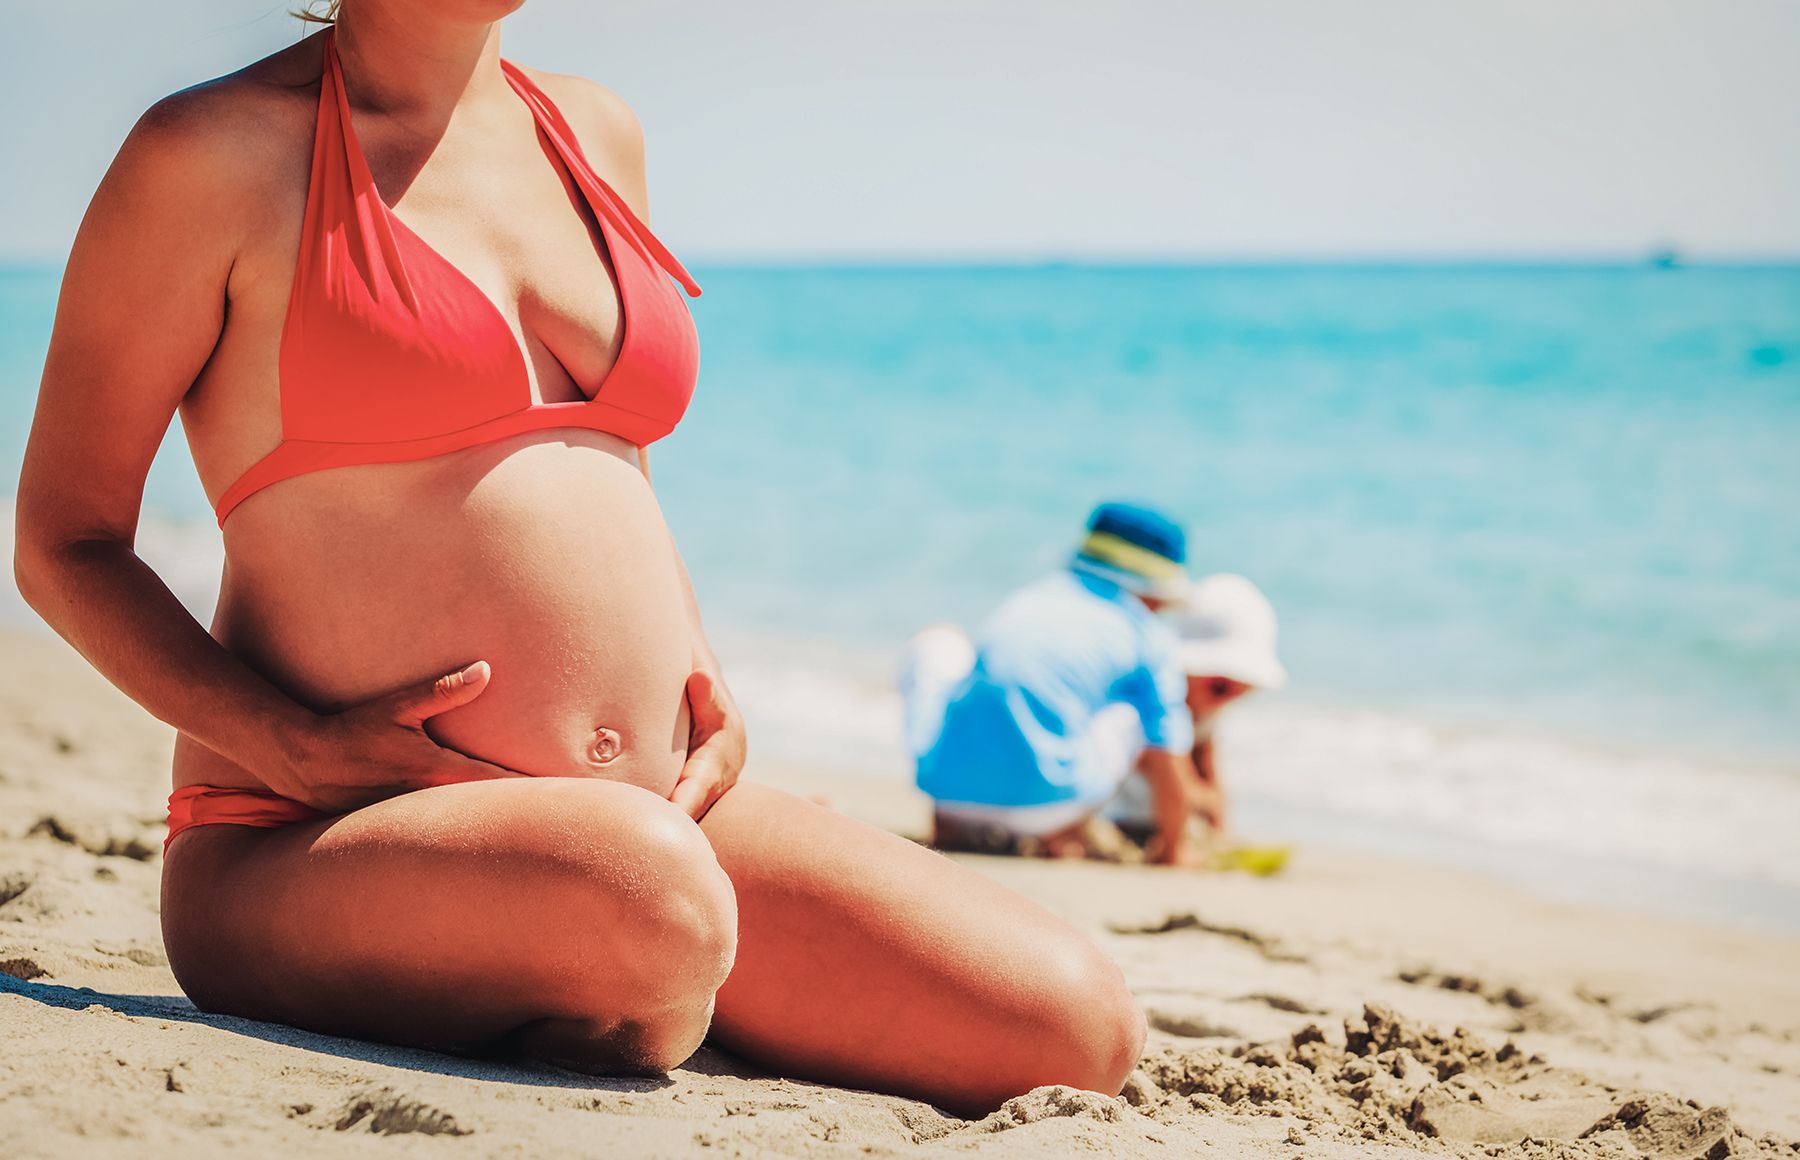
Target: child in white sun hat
[(1227, 629), (1227, 632)]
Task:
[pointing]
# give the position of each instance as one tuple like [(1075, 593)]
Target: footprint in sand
[(1281, 1003), (1268, 946), (105, 841), (1497, 994), (22, 968), (387, 1112), (13, 885)]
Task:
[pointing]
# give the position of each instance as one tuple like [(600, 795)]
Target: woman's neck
[(410, 67)]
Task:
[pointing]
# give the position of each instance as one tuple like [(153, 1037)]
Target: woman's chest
[(510, 225)]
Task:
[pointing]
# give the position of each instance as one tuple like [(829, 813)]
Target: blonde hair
[(329, 16)]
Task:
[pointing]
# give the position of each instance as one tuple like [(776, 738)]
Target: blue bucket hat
[(1136, 547)]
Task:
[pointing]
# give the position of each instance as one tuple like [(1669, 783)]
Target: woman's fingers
[(416, 705), (705, 713), (412, 707), (715, 748), (699, 786), (379, 747)]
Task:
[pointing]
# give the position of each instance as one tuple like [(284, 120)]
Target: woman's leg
[(586, 922), (867, 961)]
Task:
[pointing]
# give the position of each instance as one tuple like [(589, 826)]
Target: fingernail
[(475, 671)]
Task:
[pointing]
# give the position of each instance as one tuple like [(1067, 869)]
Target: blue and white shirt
[(1016, 730)]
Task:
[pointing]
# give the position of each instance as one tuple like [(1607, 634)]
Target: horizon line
[(1656, 260)]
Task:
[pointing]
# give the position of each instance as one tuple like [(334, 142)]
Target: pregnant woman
[(455, 765)]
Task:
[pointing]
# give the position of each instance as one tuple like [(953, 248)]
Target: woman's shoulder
[(228, 138), (608, 130), (239, 111)]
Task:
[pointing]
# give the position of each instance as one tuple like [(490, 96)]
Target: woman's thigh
[(590, 916), (866, 960)]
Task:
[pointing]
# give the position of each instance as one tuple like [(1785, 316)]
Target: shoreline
[(865, 664), (1569, 820), (1358, 1005)]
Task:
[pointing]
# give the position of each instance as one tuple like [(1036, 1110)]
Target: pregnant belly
[(545, 556)]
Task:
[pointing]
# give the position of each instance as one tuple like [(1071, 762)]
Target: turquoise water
[(1558, 498)]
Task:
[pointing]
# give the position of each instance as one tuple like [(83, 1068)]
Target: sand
[(1350, 1007)]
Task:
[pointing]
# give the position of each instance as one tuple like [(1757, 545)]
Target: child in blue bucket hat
[(1023, 734)]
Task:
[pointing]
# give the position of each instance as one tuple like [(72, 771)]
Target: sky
[(1030, 130)]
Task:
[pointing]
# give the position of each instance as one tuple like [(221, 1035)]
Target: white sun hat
[(1227, 629)]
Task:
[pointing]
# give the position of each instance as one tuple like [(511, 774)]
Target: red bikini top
[(389, 353)]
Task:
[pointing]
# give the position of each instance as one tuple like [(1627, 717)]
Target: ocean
[(1531, 530)]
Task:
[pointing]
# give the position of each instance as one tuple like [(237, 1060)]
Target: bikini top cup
[(389, 353)]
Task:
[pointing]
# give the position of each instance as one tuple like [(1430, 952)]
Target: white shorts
[(934, 662), (1132, 804)]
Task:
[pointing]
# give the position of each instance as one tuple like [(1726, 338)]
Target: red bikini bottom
[(203, 805)]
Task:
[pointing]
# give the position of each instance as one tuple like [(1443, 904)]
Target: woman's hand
[(379, 748), (716, 746)]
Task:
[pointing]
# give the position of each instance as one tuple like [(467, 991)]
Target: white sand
[(1583, 1033)]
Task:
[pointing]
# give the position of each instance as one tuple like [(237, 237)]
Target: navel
[(605, 746)]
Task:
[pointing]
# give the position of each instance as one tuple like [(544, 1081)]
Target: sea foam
[(1511, 789)]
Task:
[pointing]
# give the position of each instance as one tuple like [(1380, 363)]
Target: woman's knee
[(642, 927), (641, 879), (648, 1043), (1094, 1034), (684, 921)]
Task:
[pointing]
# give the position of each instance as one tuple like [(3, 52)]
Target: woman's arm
[(142, 305)]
